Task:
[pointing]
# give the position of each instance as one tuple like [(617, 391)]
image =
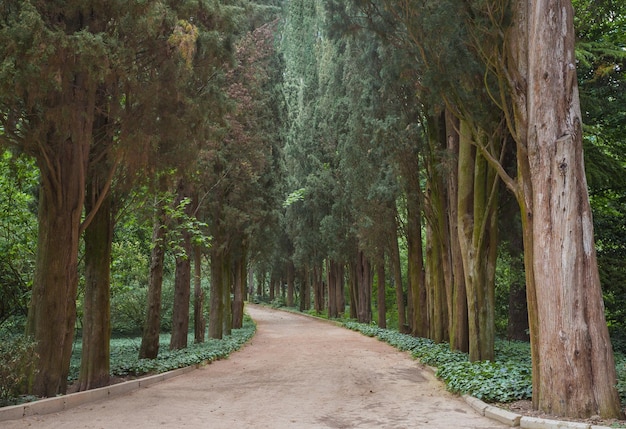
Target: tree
[(569, 338)]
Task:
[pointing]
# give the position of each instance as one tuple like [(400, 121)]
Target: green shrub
[(17, 356), (508, 379)]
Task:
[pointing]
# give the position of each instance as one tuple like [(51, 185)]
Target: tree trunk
[(318, 289), (418, 310), (199, 322), (397, 278), (573, 366), (52, 313), (381, 298), (149, 348), (216, 300), (364, 279), (227, 286), (477, 228), (239, 286), (95, 361), (459, 329), (291, 278)]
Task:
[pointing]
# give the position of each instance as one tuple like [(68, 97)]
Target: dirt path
[(297, 372)]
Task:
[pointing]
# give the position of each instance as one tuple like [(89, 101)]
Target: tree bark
[(364, 279), (477, 228), (95, 360), (291, 278), (199, 321), (459, 329), (381, 298), (573, 365), (216, 300), (149, 348), (239, 286), (52, 313), (397, 277)]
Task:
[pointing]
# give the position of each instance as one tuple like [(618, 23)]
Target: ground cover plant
[(125, 360), (125, 353), (507, 379)]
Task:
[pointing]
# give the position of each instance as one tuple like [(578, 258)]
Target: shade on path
[(297, 372)]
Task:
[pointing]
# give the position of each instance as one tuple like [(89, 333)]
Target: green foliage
[(17, 355), (125, 352), (18, 232)]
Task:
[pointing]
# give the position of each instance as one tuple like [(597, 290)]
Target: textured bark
[(417, 308), (382, 307), (397, 278), (239, 288), (335, 274), (573, 365), (459, 329), (364, 279), (95, 360), (199, 321), (291, 278), (478, 242), (149, 348), (216, 300)]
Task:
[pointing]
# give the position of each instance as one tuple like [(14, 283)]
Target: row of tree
[(116, 100), (415, 124), (343, 148)]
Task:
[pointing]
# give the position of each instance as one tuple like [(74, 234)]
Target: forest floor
[(296, 372)]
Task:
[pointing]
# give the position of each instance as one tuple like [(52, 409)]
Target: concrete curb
[(65, 402), (516, 420)]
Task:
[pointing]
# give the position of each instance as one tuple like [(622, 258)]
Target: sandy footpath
[(297, 372)]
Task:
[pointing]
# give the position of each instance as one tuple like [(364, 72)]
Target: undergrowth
[(125, 353), (505, 380)]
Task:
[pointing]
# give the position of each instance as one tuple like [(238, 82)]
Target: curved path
[(297, 372)]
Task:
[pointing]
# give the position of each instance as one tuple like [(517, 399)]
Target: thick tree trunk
[(477, 225), (364, 280), (397, 278), (459, 329), (199, 321), (52, 312), (95, 361), (573, 365), (149, 348), (239, 286), (318, 289), (418, 310)]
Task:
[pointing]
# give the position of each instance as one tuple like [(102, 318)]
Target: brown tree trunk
[(459, 329), (95, 361), (52, 312), (381, 298), (291, 278), (418, 310), (364, 280), (199, 321), (216, 299), (149, 348), (477, 228), (227, 290), (397, 278), (573, 365), (239, 286), (318, 289)]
